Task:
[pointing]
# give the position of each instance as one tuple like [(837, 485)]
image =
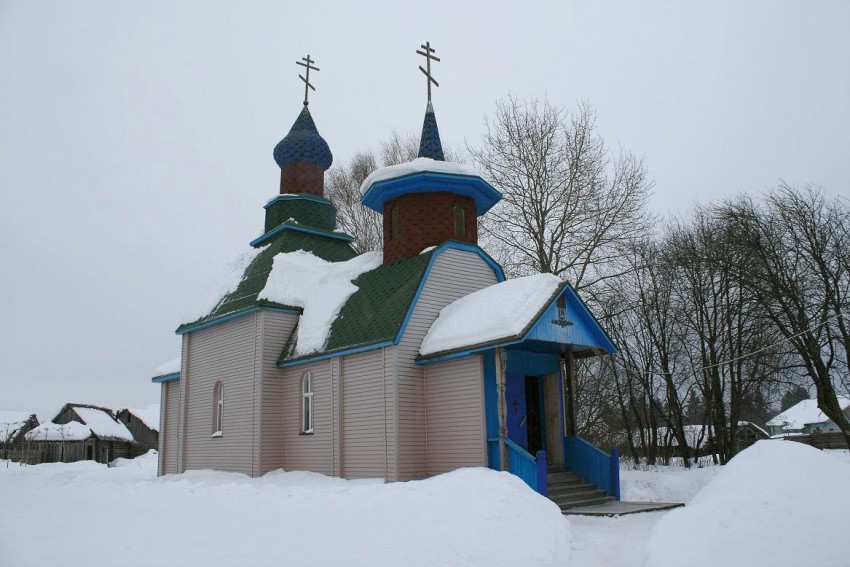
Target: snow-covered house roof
[(510, 312), (320, 288), (49, 431), (803, 413), (238, 291), (169, 367), (756, 428), (471, 320), (99, 421), (167, 371), (376, 313), (12, 422), (149, 415), (102, 423)]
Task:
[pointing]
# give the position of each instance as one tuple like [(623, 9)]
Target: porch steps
[(568, 490)]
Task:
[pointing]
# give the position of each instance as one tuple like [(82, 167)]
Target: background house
[(143, 424), (805, 417), (80, 432)]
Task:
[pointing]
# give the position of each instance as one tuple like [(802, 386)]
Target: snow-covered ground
[(778, 504), (89, 515)]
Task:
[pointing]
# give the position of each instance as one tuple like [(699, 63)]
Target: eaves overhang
[(472, 186)]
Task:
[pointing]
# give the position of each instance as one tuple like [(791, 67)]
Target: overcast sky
[(136, 137)]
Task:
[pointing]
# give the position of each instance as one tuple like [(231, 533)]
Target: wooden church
[(400, 365)]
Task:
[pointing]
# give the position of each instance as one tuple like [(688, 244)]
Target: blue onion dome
[(303, 143), (429, 144)]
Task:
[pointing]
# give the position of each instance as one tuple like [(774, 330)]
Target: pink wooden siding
[(168, 427), (276, 328), (308, 452), (226, 352), (364, 417), (454, 396), (455, 273)]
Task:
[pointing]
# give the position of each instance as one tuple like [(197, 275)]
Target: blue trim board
[(298, 228), (532, 363), (450, 245), (325, 355), (235, 315), (472, 186), (299, 197), (166, 378), (491, 402)]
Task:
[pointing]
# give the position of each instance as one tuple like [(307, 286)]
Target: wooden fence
[(822, 440)]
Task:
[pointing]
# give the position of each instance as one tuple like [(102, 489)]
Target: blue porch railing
[(532, 470), (593, 464)]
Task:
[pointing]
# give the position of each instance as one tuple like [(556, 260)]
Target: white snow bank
[(229, 280), (775, 504), (416, 166), (319, 287), (148, 415), (11, 422), (806, 411), (467, 517), (496, 312), (170, 367), (49, 431), (665, 484), (103, 424)]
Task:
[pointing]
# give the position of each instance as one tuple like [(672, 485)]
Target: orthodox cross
[(428, 54), (307, 63)]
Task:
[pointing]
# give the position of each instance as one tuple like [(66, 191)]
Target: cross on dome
[(428, 53), (307, 63)]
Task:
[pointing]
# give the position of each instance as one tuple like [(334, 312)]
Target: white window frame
[(218, 409), (307, 403)]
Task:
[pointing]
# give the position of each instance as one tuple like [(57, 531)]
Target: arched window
[(395, 220), (460, 221), (307, 403), (218, 408)]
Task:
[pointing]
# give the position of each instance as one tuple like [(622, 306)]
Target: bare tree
[(569, 207), (342, 186), (795, 248), (730, 348)]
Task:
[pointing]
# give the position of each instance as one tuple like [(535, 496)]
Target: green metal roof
[(376, 311), (255, 276)]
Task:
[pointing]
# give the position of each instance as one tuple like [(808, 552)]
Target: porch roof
[(525, 313)]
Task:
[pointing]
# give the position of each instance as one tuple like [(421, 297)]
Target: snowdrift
[(776, 504), (467, 517)]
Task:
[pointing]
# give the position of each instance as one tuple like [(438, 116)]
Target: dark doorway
[(532, 408)]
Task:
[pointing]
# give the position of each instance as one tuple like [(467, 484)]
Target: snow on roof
[(11, 422), (170, 367), (499, 311), (228, 282), (754, 426), (49, 431), (416, 166), (103, 424), (148, 415), (319, 287), (807, 411)]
